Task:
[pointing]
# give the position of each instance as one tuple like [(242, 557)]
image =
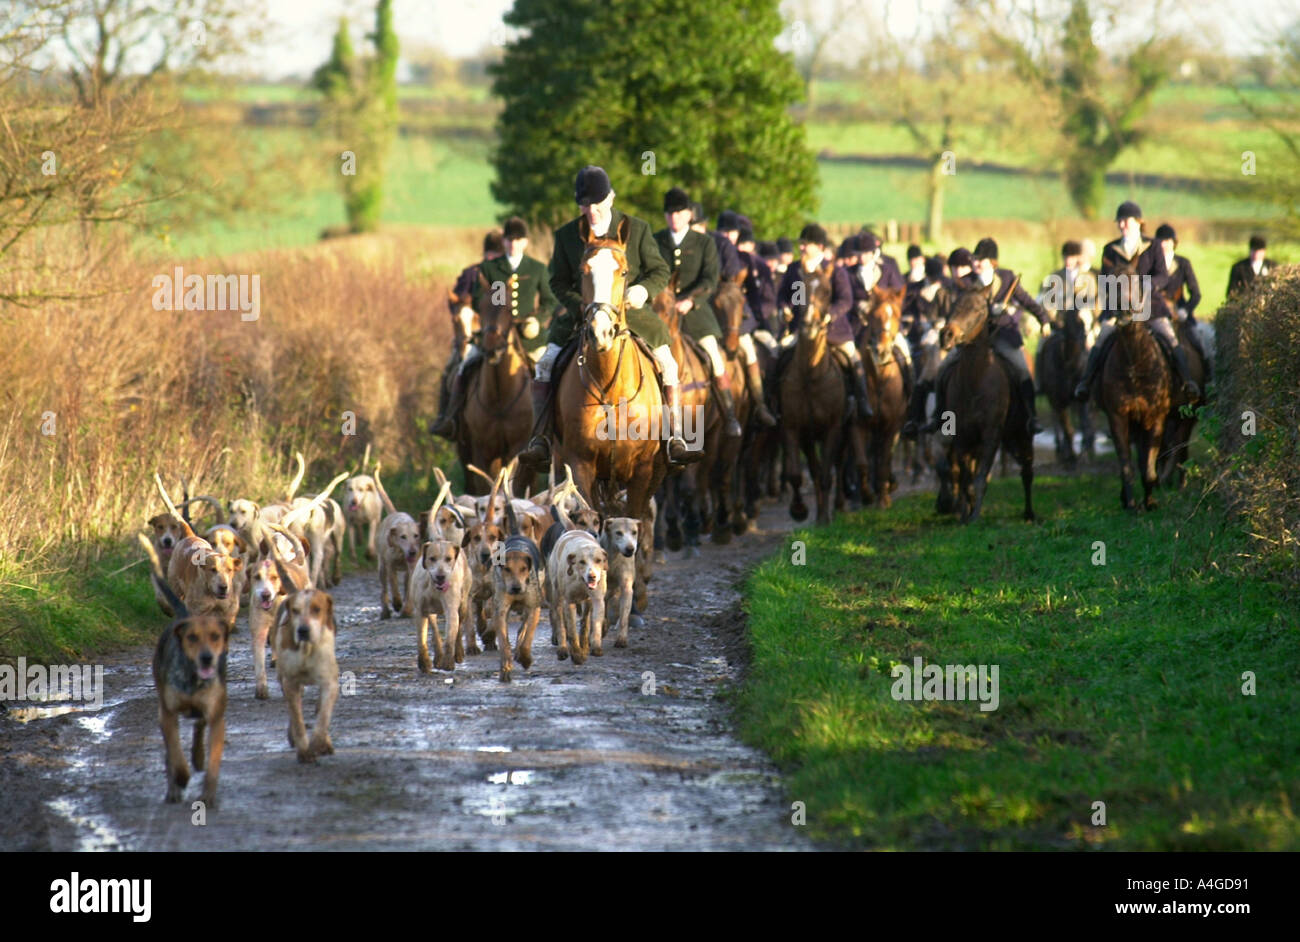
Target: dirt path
[(564, 758)]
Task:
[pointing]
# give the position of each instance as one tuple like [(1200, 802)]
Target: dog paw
[(524, 659), (175, 793), (210, 797), (620, 641), (505, 675), (597, 651), (306, 756), (473, 650), (321, 747)]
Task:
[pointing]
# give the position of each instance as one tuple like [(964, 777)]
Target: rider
[(814, 246), (525, 278), (1009, 298), (1070, 287), (1133, 253), (1255, 265), (870, 270), (934, 302), (694, 259), (1182, 292), (760, 311), (647, 275), (466, 282)]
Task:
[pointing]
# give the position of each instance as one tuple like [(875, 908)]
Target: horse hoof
[(799, 511), (661, 557), (691, 552)]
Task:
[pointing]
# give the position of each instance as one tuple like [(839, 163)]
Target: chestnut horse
[(498, 414), (1136, 392), (882, 316), (984, 413), (609, 376), (683, 499), (814, 396)]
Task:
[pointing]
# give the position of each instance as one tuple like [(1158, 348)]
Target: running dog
[(189, 672), (517, 574), (440, 586)]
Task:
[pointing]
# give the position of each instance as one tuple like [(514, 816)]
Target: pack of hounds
[(462, 570)]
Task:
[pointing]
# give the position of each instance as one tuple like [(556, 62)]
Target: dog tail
[(286, 579), (316, 501), (171, 508), (383, 494), (209, 500), (511, 519), (297, 478), (156, 573)]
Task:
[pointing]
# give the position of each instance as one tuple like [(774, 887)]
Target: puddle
[(94, 833), (516, 777), (27, 714)]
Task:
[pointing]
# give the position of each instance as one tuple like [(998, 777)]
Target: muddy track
[(564, 758)]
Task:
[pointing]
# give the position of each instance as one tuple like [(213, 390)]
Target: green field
[(1119, 683)]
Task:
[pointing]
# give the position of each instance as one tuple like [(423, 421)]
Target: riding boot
[(728, 403), (754, 377), (1027, 395), (1190, 389), (537, 454), (916, 409), (863, 397), (1095, 359), (445, 423), (678, 453)]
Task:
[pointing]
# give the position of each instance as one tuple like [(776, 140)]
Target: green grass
[(1118, 683), (57, 614)]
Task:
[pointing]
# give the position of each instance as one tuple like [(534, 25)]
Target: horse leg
[(673, 511), (1026, 459), (794, 476), (822, 470), (982, 472), (1148, 443), (692, 498), (1067, 435), (1119, 430)]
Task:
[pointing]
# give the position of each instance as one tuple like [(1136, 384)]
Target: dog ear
[(464, 540), (329, 612), (179, 627), (238, 562)]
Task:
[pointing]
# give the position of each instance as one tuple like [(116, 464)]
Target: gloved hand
[(531, 328), (998, 309), (637, 296)]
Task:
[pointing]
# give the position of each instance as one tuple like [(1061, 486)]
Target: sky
[(303, 28)]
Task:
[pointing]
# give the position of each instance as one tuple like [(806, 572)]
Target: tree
[(361, 111), (1065, 64), (691, 97)]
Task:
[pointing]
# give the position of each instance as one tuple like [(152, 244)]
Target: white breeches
[(710, 345), (667, 365)]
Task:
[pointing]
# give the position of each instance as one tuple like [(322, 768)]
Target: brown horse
[(1181, 421), (610, 379), (498, 414), (814, 395), (1059, 364), (728, 513), (983, 412), (882, 316), (1135, 391), (683, 507)]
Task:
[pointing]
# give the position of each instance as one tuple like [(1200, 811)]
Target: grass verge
[(1120, 683)]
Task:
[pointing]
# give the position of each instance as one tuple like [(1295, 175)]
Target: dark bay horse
[(1181, 421), (724, 482), (814, 396), (981, 410), (610, 376), (1135, 390), (498, 414), (1059, 365)]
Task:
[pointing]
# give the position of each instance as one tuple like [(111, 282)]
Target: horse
[(610, 378), (498, 414), (984, 412), (1058, 365), (729, 514), (814, 396), (882, 317), (683, 499), (1181, 421)]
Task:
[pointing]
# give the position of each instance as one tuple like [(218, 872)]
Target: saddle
[(570, 350)]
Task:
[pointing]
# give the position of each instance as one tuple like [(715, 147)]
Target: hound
[(517, 575), (267, 591), (576, 582), (362, 508), (189, 672), (398, 547), (203, 578), (620, 537), (440, 586), (303, 643)]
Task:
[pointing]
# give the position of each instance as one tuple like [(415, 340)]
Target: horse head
[(818, 316), (970, 315), (604, 282), (464, 317), (883, 318), (729, 306), (496, 322)]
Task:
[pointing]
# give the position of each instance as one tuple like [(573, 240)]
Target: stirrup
[(536, 452)]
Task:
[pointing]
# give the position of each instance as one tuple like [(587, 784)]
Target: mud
[(565, 758)]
